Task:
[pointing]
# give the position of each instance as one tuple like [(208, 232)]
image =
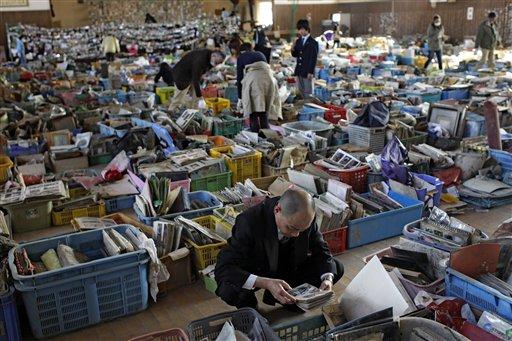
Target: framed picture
[(13, 3)]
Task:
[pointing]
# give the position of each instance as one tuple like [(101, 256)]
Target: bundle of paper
[(198, 234), (345, 160), (306, 138), (75, 203), (182, 158), (199, 169), (234, 195), (158, 199), (310, 297), (167, 236), (91, 223)]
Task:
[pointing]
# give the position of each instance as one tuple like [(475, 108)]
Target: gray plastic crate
[(372, 138)]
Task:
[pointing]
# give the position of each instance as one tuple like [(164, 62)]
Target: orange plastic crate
[(336, 240)]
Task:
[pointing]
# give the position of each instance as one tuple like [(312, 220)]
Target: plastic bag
[(374, 114), (51, 260), (66, 255), (392, 161)]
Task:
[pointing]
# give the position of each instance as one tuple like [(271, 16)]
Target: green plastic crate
[(101, 159), (211, 183), (30, 215), (230, 126), (419, 138)]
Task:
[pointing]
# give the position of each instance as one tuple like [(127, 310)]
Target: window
[(264, 14)]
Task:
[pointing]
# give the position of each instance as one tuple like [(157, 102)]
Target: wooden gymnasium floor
[(193, 302)]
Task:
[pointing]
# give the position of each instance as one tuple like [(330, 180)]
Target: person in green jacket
[(487, 39), (435, 41)]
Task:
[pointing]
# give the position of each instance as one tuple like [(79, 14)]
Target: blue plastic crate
[(426, 97), (459, 94), (477, 294), (475, 125), (108, 96), (9, 320), (331, 80), (322, 93), (503, 158), (141, 97), (16, 150), (231, 93), (405, 60), (202, 196), (422, 193), (309, 114), (384, 225), (487, 202), (379, 72), (105, 130), (323, 74), (119, 203), (78, 296), (353, 70)]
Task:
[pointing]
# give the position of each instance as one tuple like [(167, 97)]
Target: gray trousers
[(305, 86)]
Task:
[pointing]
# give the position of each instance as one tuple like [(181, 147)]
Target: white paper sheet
[(370, 291)]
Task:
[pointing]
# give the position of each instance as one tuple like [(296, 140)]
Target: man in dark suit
[(191, 67), (305, 49), (275, 246)]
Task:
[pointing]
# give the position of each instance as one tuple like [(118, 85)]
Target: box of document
[(384, 225), (180, 268)]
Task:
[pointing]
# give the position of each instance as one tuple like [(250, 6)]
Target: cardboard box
[(31, 164), (74, 163), (180, 269)]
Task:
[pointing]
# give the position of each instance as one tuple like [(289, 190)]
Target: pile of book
[(310, 297)]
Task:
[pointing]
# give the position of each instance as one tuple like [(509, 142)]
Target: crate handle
[(220, 321), (97, 273)]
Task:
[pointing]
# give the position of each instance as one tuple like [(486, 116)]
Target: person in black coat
[(275, 246), (305, 49), (189, 70), (247, 56)]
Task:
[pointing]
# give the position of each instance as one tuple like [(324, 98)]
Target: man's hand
[(277, 287), (326, 285), (310, 76)]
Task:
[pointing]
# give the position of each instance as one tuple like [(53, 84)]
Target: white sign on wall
[(469, 13)]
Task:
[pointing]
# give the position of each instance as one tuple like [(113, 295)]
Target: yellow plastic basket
[(5, 165), (207, 254), (64, 217), (243, 167), (165, 93), (78, 192), (217, 104)]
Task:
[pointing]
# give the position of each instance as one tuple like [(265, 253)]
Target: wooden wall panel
[(39, 18), (410, 16)]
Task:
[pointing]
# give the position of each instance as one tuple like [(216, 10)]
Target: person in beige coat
[(260, 96)]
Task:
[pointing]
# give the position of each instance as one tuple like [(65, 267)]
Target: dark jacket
[(166, 74), (306, 56), (190, 69), (244, 59), (254, 246), (487, 36), (435, 37)]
